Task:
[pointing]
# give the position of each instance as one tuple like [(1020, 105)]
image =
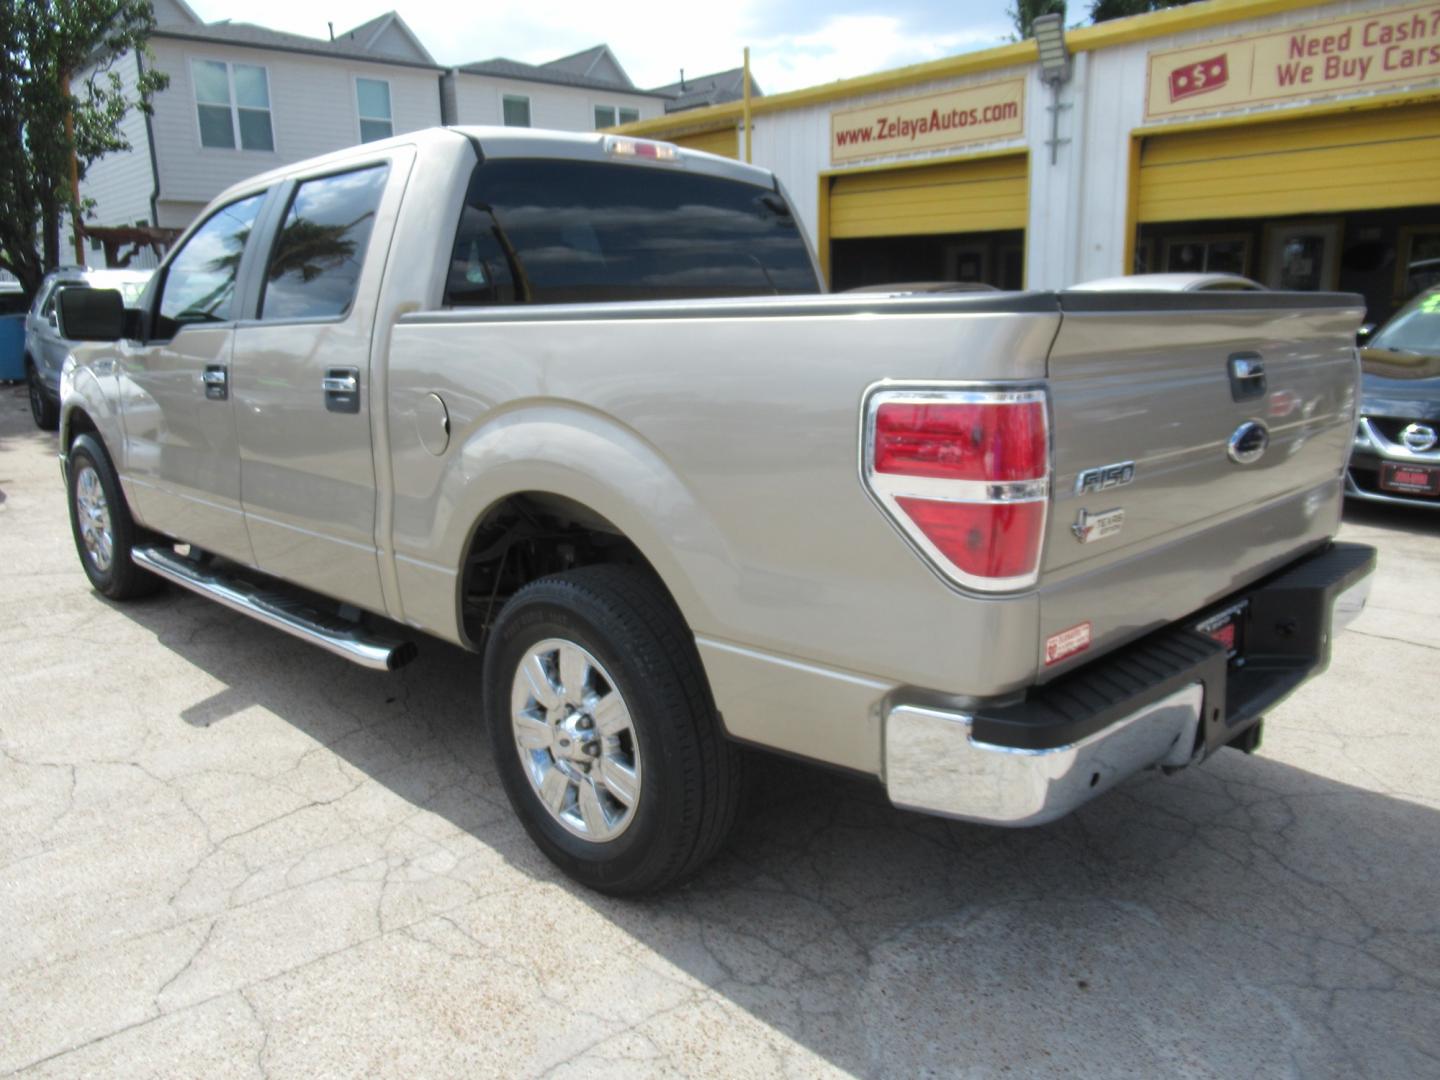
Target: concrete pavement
[(224, 853)]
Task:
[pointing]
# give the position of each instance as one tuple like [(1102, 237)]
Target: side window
[(200, 281), (47, 301), (372, 101), (316, 259), (516, 110)]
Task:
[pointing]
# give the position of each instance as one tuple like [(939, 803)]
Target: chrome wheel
[(575, 739), (93, 514)]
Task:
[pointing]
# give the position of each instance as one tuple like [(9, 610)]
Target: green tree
[(1103, 10), (1025, 12), (57, 61)]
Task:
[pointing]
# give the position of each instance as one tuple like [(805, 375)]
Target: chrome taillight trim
[(887, 488)]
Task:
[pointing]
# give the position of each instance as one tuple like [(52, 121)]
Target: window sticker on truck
[(1067, 643)]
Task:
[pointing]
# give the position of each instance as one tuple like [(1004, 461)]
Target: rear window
[(561, 232)]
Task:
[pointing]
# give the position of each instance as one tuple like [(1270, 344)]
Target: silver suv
[(45, 349)]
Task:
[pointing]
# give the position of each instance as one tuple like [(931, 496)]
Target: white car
[(45, 349)]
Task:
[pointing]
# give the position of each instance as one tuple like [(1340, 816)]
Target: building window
[(609, 115), (234, 105), (372, 101), (517, 110)]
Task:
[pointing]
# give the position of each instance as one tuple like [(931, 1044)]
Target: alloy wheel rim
[(576, 740), (93, 513)]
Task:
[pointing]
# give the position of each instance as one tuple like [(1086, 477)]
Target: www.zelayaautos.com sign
[(933, 122), (1374, 48)]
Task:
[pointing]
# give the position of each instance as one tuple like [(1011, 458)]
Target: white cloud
[(654, 39)]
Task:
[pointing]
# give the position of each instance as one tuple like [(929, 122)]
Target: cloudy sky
[(792, 43)]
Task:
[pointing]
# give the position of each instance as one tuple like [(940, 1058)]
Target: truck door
[(302, 385), (180, 460)]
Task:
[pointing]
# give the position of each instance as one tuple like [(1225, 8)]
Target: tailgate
[(1155, 513)]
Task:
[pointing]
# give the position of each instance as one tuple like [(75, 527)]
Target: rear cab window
[(550, 231), (317, 255)]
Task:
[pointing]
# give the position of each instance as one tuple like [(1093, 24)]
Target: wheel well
[(79, 423), (528, 536)]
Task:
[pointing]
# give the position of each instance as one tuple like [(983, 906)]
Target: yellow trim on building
[(967, 195)]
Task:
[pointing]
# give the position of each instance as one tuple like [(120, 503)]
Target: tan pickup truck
[(578, 403)]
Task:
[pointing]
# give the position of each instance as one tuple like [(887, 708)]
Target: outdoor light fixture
[(1054, 72), (1054, 56)]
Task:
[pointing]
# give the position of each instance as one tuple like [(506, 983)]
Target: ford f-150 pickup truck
[(580, 404)]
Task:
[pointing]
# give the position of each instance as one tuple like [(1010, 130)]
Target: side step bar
[(280, 610)]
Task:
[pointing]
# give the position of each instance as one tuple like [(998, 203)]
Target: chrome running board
[(280, 610)]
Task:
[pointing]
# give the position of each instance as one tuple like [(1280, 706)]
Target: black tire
[(116, 577), (688, 800), (44, 409)]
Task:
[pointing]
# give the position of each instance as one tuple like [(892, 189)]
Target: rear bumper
[(1169, 699)]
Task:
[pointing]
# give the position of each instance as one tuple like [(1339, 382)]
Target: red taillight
[(962, 442), (965, 474)]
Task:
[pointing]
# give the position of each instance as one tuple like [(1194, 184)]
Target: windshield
[(1415, 330)]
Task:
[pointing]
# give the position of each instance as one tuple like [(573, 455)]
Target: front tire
[(605, 735), (44, 409), (104, 531)]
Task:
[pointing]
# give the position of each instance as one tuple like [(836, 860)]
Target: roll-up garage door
[(725, 142), (1366, 160), (963, 197)]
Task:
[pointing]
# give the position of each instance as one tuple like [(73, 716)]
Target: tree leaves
[(60, 57)]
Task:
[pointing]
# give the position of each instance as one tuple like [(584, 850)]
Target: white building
[(584, 92), (243, 99)]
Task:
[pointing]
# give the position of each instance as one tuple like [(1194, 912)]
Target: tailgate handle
[(1247, 376)]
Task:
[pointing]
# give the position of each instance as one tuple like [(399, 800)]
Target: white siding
[(121, 184), (312, 111), (561, 108)]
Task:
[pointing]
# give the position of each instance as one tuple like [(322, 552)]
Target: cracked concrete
[(223, 853)]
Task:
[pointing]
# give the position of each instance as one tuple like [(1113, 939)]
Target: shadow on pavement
[(1415, 520), (1246, 918)]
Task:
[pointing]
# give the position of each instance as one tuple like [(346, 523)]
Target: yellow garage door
[(967, 196), (1354, 161), (724, 142)]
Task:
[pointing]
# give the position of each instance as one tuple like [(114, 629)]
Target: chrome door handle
[(215, 382), (342, 390)]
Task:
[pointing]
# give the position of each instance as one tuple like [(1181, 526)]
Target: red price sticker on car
[(1067, 643)]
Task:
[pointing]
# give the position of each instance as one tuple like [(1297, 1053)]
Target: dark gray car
[(45, 349), (1397, 441)]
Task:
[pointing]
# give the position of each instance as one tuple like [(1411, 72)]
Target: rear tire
[(44, 409), (623, 778), (100, 520)]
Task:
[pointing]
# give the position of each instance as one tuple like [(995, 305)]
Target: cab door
[(302, 383), (181, 459)]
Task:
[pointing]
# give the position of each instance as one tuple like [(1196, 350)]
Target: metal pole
[(747, 104), (74, 172)]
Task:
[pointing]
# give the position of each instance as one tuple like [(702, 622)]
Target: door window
[(316, 259), (200, 281)]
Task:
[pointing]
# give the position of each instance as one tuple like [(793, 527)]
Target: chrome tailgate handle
[(1247, 376), (342, 390)]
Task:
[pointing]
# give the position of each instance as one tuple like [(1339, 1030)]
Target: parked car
[(577, 403), (46, 349), (1396, 458)]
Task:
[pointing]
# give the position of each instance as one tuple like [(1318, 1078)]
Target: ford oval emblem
[(1248, 444)]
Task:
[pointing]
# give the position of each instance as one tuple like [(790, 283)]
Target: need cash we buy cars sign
[(1375, 48), (932, 122)]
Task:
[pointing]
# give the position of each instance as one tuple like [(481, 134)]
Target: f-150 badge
[(1105, 477), (1090, 527)]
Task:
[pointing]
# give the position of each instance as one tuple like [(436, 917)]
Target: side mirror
[(91, 314), (1363, 334)]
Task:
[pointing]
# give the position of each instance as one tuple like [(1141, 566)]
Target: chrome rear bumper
[(933, 762), (1169, 699)]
